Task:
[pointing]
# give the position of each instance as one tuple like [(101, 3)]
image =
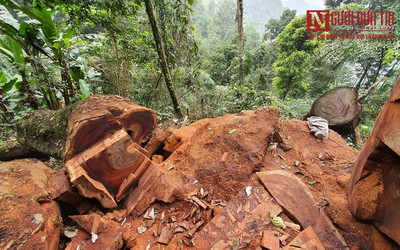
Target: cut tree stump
[(103, 153), (374, 184), (299, 204), (340, 107)]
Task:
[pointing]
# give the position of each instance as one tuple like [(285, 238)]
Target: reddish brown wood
[(165, 236), (269, 240), (60, 189), (145, 183), (234, 222), (307, 239), (298, 202), (156, 142), (374, 184), (108, 231), (103, 155), (101, 115)]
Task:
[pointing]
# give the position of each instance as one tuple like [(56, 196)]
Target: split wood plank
[(60, 189), (225, 228), (306, 239), (147, 180), (298, 202), (269, 240)]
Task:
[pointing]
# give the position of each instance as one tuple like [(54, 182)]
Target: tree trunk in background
[(239, 20), (340, 107), (161, 55)]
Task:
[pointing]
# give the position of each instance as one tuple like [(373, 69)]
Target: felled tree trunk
[(340, 108), (103, 153), (375, 184), (45, 131)]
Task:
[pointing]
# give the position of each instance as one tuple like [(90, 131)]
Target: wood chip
[(193, 193), (198, 201), (159, 228), (194, 229), (184, 224), (224, 157), (179, 230), (257, 198), (96, 224), (165, 236), (192, 212), (247, 208), (209, 214), (239, 209), (269, 240), (283, 239), (149, 223), (231, 216), (293, 226)]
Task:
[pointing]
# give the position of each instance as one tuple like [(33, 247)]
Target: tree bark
[(45, 131), (239, 20), (162, 57)]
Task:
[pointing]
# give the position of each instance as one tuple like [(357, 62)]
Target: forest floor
[(207, 165)]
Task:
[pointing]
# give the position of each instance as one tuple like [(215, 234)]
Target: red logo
[(317, 20)]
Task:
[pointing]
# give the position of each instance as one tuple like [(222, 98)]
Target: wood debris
[(306, 239), (269, 240), (292, 194), (165, 236)]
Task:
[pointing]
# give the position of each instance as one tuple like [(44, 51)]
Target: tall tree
[(294, 60), (162, 56), (239, 20)]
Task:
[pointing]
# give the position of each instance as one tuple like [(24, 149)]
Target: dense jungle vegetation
[(54, 53)]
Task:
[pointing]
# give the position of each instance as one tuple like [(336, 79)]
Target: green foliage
[(274, 26), (247, 97), (292, 66)]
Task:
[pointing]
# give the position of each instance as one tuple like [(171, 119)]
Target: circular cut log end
[(138, 122), (338, 106), (101, 116)]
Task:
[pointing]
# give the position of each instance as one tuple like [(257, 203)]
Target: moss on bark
[(45, 131)]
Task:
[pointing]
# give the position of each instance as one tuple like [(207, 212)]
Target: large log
[(103, 153), (45, 131), (374, 184), (340, 107)]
